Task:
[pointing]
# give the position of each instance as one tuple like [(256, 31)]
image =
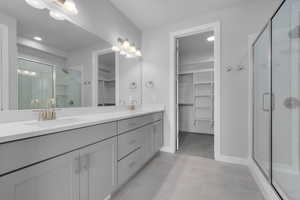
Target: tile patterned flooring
[(184, 177), (197, 145)]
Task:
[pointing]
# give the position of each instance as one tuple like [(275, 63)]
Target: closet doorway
[(106, 79), (195, 93)]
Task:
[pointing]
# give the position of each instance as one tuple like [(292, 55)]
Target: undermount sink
[(57, 122)]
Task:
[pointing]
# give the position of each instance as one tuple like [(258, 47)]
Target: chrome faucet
[(48, 113)]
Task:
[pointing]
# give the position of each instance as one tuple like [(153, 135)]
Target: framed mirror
[(46, 60)]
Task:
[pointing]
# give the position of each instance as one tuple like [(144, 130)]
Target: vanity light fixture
[(68, 5), (57, 8), (36, 4), (211, 39), (56, 15), (37, 38), (127, 49)]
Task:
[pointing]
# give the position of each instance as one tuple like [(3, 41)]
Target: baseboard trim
[(265, 187), (167, 149), (232, 159), (108, 197)]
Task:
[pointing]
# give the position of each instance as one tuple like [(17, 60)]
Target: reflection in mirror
[(54, 60), (106, 79)]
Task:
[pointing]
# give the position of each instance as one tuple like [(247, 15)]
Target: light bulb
[(56, 15), (211, 39), (71, 7), (138, 53), (115, 49), (129, 56), (133, 49), (38, 4), (37, 38), (126, 44)]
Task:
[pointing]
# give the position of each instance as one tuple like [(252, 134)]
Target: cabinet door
[(158, 135), (149, 142), (55, 179), (98, 170)]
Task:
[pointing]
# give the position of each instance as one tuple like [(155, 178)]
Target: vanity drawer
[(130, 141), (128, 166), (18, 154), (132, 123)]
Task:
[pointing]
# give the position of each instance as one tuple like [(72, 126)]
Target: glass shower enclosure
[(38, 82), (276, 101)]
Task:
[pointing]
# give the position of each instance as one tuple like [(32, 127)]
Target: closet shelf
[(204, 83), (186, 104), (203, 119), (203, 107), (182, 73), (205, 95), (107, 80), (204, 61)]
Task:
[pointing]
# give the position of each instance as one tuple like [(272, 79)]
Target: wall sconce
[(56, 8), (127, 49), (133, 85), (149, 84), (228, 69)]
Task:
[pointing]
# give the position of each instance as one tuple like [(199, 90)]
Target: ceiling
[(196, 45), (31, 22), (154, 13)]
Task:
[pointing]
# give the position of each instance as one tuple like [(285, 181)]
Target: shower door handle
[(265, 105)]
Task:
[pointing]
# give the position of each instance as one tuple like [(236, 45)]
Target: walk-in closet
[(195, 75), (106, 79)]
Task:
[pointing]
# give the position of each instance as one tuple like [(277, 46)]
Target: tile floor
[(197, 145), (184, 177)]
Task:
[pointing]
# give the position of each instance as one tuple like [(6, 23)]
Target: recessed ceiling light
[(36, 4), (37, 38), (211, 39)]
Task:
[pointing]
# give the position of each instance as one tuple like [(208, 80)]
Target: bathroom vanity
[(87, 158)]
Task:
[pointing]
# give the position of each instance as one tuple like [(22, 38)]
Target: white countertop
[(26, 129)]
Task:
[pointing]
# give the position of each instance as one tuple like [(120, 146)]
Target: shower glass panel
[(35, 84), (286, 90), (68, 88), (261, 101)]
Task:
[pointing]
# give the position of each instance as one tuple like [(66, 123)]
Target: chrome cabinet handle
[(86, 162), (77, 165), (264, 102)]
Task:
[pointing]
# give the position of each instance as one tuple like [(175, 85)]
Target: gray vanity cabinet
[(55, 179), (86, 174), (88, 163), (158, 135), (98, 175)]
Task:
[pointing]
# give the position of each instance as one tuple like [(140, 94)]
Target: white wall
[(84, 57), (129, 71), (11, 24), (236, 24), (102, 18)]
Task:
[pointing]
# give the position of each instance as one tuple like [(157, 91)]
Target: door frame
[(4, 70), (216, 27), (95, 75)]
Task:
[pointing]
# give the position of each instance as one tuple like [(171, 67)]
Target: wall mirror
[(46, 60)]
